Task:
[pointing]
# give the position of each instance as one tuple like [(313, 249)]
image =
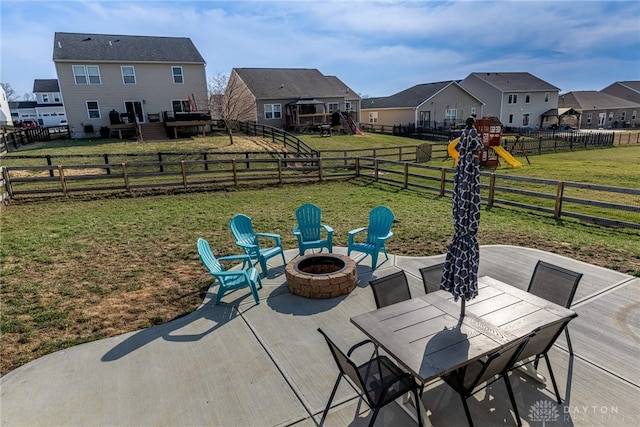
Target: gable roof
[(590, 99), (46, 85), (412, 97), (632, 85), (121, 48), (279, 83), (515, 82)]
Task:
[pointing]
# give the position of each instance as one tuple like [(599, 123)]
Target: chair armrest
[(387, 236), (246, 259), (326, 227), (276, 237), (296, 231), (360, 344), (357, 230)]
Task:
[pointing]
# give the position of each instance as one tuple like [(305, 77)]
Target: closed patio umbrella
[(460, 273)]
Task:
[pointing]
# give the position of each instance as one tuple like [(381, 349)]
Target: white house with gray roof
[(432, 105), (290, 98), (143, 76), (518, 99)]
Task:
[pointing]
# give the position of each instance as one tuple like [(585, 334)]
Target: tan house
[(517, 99), (111, 81), (295, 99), (429, 105), (598, 110)]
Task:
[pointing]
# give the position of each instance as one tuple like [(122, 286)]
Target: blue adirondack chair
[(249, 241), (230, 279), (378, 232), (309, 230)]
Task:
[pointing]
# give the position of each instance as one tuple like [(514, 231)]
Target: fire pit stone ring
[(321, 276)]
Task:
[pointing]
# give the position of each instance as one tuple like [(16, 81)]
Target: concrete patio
[(241, 364)]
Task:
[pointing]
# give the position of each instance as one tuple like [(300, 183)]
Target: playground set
[(490, 131)]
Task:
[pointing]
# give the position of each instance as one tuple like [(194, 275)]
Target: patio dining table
[(429, 338)]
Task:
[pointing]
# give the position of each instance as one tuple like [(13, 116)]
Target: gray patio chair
[(540, 342), (555, 284), (466, 379), (390, 289), (431, 277), (378, 381)]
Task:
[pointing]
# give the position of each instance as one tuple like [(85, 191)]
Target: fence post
[(406, 175), (320, 169), (246, 156), (205, 158), (62, 181), (357, 166), (279, 170), (7, 181), (160, 162), (540, 145), (49, 164), (106, 162), (183, 166), (125, 175), (234, 171), (492, 188), (557, 212), (375, 168), (443, 180)]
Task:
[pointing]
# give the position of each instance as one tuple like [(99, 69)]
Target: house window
[(180, 106), (272, 111), (610, 117), (589, 118), (128, 75), (45, 97), (527, 98), (373, 117), (525, 120), (333, 107), (546, 97), (624, 116), (513, 98), (56, 97), (510, 118), (347, 106), (86, 74), (178, 78), (473, 111), (634, 115), (93, 109), (451, 114)]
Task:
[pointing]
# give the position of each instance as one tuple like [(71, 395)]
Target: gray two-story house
[(107, 79), (517, 99)]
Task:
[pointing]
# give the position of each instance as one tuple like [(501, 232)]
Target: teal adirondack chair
[(309, 230), (230, 279), (249, 241), (378, 232)]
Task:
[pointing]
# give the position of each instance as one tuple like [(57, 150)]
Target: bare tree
[(231, 101), (8, 90), (28, 96)]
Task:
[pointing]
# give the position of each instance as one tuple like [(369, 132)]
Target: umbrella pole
[(463, 299)]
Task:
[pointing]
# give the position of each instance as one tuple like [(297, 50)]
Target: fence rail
[(605, 205)]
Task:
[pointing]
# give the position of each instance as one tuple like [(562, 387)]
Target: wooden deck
[(241, 364)]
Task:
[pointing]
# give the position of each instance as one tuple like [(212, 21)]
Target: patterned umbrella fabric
[(460, 274)]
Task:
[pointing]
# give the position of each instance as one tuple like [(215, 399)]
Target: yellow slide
[(506, 156), (451, 149)]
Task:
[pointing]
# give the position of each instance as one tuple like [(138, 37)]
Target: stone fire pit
[(321, 276)]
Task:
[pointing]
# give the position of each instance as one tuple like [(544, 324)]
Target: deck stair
[(153, 131)]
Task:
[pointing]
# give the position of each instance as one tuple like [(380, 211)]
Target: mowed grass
[(79, 269)]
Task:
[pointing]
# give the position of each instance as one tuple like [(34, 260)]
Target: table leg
[(532, 372), (410, 408)]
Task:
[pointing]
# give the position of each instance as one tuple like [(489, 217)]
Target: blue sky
[(378, 48)]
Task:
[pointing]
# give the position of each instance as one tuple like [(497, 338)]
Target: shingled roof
[(280, 83), (412, 97), (45, 86), (515, 82), (120, 48), (590, 99)]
